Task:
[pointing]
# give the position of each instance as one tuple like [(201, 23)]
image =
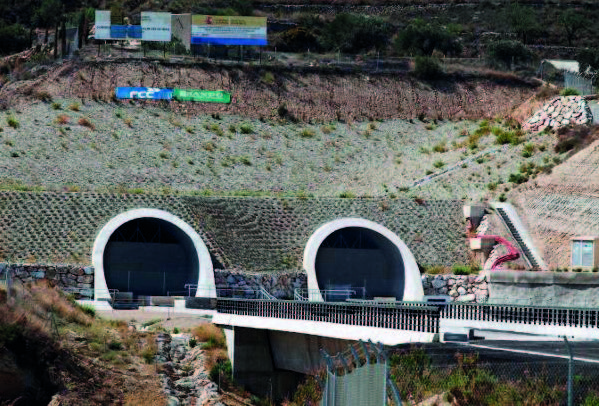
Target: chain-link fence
[(466, 377)]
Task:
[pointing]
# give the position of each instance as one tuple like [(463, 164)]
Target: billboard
[(102, 24), (125, 32), (155, 26), (228, 30), (205, 96), (148, 93)]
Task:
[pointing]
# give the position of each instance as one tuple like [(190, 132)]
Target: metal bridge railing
[(412, 318), (520, 314)]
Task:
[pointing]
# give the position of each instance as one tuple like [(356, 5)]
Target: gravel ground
[(133, 145)]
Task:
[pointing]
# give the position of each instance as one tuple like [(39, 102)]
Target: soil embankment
[(306, 94)]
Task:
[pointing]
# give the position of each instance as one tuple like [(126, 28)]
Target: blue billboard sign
[(148, 93), (125, 31)]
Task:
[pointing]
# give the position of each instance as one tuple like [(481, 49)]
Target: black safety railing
[(412, 318), (533, 315)]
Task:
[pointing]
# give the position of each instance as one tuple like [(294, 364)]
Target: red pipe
[(512, 254)]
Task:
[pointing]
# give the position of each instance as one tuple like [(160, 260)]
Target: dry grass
[(208, 332), (100, 360), (62, 119), (85, 122)]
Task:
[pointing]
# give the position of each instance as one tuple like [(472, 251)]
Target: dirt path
[(169, 319)]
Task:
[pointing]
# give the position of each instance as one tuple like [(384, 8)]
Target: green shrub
[(426, 67), (246, 129), (12, 121), (115, 346), (268, 78), (347, 195), (502, 197), (440, 147), (176, 330), (56, 106), (569, 91), (193, 342), (221, 370), (460, 270), (87, 309), (518, 178), (439, 164), (307, 133), (149, 353)]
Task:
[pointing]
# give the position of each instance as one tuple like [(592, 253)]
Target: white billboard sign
[(155, 26), (102, 24)]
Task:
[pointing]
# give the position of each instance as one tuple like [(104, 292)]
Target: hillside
[(85, 140), (52, 350), (563, 204)]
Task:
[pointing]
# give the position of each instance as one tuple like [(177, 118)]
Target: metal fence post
[(570, 373)]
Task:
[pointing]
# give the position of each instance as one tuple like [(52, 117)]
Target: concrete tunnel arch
[(400, 272), (200, 260)]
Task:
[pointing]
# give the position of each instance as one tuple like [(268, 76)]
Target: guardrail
[(413, 318), (534, 315)]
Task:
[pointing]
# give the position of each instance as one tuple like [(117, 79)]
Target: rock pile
[(185, 379), (462, 288), (560, 112)]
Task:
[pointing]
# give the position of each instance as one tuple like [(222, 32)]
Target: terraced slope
[(562, 205)]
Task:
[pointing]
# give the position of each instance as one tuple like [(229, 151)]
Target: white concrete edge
[(323, 329), (205, 272), (543, 354), (413, 290), (459, 326), (515, 218)]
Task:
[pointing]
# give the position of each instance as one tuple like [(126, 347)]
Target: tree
[(588, 58), (47, 16), (523, 21), (572, 23), (355, 33), (506, 52), (421, 38)]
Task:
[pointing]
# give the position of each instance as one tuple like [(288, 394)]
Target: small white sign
[(102, 24)]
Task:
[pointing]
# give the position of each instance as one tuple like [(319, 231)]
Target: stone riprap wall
[(461, 288), (281, 285), (544, 288), (252, 234), (560, 112), (78, 278)]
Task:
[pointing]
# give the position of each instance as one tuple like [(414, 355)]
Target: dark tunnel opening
[(360, 260), (150, 257)]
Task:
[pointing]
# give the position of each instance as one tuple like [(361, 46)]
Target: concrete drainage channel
[(185, 380)]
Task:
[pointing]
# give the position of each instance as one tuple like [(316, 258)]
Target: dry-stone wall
[(461, 288), (560, 112), (78, 278), (251, 234), (281, 285)]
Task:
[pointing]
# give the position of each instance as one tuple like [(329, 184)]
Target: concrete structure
[(585, 253), (203, 264), (386, 267)]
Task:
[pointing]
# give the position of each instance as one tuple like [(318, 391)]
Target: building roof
[(571, 66)]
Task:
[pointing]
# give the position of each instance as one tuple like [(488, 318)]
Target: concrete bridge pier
[(272, 363)]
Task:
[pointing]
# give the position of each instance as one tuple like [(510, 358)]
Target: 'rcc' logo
[(148, 94)]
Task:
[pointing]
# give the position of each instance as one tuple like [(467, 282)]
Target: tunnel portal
[(150, 257), (360, 260)]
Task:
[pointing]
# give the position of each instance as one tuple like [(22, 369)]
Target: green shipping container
[(205, 96)]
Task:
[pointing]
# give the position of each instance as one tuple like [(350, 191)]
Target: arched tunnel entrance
[(362, 261), (150, 257), (358, 255), (150, 252)]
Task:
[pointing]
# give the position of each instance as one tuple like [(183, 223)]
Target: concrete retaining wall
[(545, 288), (251, 234)]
